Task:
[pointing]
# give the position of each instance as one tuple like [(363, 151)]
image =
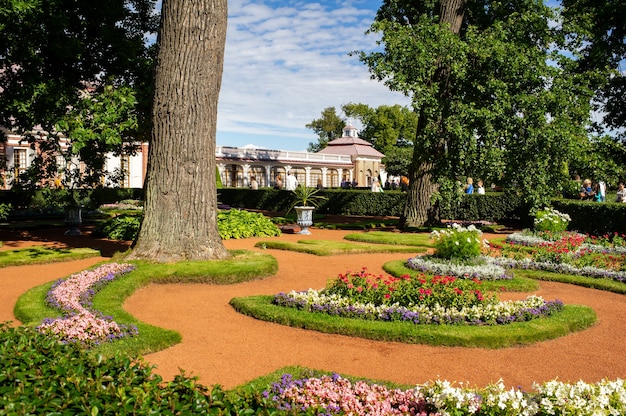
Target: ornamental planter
[(305, 218), (73, 220)]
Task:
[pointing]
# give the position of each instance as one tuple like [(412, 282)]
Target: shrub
[(457, 242), (122, 227), (550, 219), (43, 376), (244, 224)]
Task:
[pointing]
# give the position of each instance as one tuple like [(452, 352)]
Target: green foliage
[(328, 127), (491, 102), (233, 223), (592, 217), (457, 242), (397, 160), (549, 219), (236, 223), (76, 70), (42, 376), (5, 210), (307, 196), (121, 227)]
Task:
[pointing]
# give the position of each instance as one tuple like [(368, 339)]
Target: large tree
[(486, 93), (60, 58), (180, 221)]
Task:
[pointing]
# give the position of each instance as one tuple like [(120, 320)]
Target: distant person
[(469, 186), (376, 186), (597, 197), (319, 184), (586, 191), (621, 193), (291, 183), (278, 183), (254, 185), (480, 189), (404, 184), (602, 187)]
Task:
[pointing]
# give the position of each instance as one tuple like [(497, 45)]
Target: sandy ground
[(223, 347)]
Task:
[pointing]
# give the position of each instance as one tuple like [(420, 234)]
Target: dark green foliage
[(39, 375), (593, 217), (490, 207), (122, 227), (46, 198)]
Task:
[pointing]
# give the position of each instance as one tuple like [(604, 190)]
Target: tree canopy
[(495, 99), (57, 56)]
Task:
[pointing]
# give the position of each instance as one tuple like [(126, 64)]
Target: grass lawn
[(39, 255), (332, 248), (32, 308), (386, 237), (572, 318)]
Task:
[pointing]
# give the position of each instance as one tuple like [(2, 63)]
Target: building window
[(314, 175), (19, 162), (259, 173), (300, 175), (274, 172), (234, 176), (125, 171)]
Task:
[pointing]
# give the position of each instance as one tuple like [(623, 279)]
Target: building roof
[(353, 146)]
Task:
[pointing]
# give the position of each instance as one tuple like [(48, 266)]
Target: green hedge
[(491, 207), (595, 218)]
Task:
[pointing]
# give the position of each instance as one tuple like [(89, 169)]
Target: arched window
[(259, 173), (234, 176)]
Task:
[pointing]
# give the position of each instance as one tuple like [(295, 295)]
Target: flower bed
[(73, 297), (420, 300), (485, 271), (337, 395), (568, 253)]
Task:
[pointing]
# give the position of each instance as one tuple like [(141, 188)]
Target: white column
[(246, 169), (307, 176), (324, 172)]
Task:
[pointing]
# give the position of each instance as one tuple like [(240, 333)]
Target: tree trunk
[(180, 217), (418, 210)]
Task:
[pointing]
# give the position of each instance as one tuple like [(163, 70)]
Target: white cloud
[(285, 62)]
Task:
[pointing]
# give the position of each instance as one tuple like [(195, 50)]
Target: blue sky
[(286, 61)]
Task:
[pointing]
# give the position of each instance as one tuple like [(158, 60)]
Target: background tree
[(328, 127), (180, 220), (596, 33), (385, 127), (54, 53), (485, 93)]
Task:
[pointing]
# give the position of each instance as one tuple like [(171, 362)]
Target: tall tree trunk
[(180, 221), (418, 210)]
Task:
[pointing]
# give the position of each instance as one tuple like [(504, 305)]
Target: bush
[(457, 242), (243, 224), (42, 376), (550, 219), (122, 227)]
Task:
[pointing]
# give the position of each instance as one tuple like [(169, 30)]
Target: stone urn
[(304, 218), (73, 220)]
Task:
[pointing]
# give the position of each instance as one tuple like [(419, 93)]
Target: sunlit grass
[(331, 248), (40, 255)]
